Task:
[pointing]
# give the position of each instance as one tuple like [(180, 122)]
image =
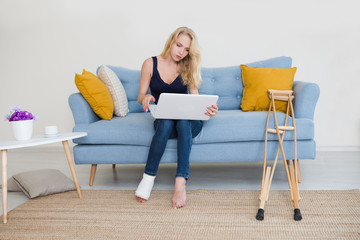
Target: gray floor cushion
[(43, 182), (12, 186)]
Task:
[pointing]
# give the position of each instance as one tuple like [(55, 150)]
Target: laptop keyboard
[(152, 108)]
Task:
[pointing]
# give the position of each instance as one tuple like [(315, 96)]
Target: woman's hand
[(146, 101), (212, 110)]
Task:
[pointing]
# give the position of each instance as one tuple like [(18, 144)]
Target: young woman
[(175, 70)]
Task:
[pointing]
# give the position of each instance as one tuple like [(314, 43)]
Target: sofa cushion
[(258, 80), (237, 125), (96, 94), (116, 89), (227, 126), (135, 128)]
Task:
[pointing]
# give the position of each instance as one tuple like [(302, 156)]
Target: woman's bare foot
[(179, 198)]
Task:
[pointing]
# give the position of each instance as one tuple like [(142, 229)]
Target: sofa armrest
[(306, 96), (81, 109)]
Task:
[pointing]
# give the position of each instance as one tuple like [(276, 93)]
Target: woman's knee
[(164, 125), (183, 125)]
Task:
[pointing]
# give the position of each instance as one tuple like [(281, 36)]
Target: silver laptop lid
[(183, 106)]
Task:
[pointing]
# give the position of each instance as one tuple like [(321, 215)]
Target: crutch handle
[(260, 214), (297, 214)]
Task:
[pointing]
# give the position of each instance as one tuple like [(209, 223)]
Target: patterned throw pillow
[(116, 89)]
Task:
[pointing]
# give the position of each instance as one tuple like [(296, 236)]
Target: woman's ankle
[(180, 181)]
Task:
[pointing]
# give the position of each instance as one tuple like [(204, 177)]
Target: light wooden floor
[(332, 170)]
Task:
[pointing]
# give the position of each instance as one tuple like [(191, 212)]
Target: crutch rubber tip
[(260, 214), (297, 214)]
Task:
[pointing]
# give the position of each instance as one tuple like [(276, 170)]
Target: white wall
[(44, 43)]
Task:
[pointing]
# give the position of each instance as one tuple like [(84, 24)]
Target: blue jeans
[(184, 131)]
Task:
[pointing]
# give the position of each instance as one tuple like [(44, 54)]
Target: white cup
[(51, 130)]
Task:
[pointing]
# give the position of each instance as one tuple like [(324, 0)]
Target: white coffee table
[(35, 141)]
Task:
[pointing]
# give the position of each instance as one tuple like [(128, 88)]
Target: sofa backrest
[(225, 82)]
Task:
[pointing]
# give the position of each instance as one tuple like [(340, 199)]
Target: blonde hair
[(190, 65)]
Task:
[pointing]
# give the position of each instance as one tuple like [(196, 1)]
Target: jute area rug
[(209, 214)]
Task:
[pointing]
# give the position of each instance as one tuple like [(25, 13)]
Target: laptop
[(182, 106)]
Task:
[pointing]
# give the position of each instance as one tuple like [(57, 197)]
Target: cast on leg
[(143, 191)]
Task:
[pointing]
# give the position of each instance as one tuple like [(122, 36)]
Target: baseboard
[(338, 148)]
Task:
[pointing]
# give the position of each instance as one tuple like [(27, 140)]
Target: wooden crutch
[(280, 131)]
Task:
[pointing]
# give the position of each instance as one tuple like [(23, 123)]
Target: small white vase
[(22, 130)]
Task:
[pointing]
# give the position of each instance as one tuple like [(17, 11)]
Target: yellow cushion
[(258, 80), (96, 94)]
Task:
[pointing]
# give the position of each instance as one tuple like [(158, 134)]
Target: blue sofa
[(233, 135)]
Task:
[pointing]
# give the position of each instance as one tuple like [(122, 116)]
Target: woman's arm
[(193, 90), (146, 73)]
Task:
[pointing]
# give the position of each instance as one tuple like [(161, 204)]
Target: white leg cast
[(145, 186)]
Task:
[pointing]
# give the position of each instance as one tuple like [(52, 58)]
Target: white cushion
[(116, 89)]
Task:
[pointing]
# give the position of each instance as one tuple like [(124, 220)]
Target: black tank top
[(158, 86)]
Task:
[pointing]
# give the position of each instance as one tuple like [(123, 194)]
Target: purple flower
[(20, 115), (16, 108)]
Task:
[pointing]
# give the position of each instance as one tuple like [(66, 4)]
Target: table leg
[(71, 164), (4, 183)]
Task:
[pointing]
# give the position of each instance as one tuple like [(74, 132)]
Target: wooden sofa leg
[(113, 165), (92, 174)]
